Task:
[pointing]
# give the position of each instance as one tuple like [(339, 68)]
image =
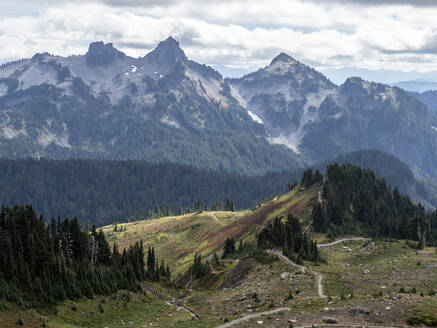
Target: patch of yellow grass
[(178, 238)]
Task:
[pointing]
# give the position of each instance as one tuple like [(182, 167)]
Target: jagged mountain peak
[(169, 42), (102, 54), (286, 66), (167, 52), (284, 58), (40, 56), (354, 79), (357, 83)]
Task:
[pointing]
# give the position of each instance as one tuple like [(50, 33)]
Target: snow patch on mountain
[(255, 117), (434, 128)]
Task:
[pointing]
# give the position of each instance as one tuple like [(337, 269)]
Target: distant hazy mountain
[(165, 107), (429, 98), (388, 76), (417, 85)]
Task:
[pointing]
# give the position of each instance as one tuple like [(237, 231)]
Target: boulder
[(360, 310), (330, 320), (285, 275)]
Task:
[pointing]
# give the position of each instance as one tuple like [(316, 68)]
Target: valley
[(354, 298), (218, 164), (367, 282)]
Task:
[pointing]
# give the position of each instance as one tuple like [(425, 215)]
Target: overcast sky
[(373, 34)]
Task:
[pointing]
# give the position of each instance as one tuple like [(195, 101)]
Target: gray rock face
[(303, 110), (330, 320), (285, 96), (100, 54), (165, 107), (104, 104)]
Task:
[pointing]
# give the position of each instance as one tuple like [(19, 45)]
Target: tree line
[(42, 264), (356, 201), (106, 191)]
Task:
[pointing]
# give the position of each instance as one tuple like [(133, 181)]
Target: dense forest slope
[(395, 172), (102, 192), (353, 200), (42, 264)]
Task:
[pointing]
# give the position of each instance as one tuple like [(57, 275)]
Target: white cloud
[(238, 33)]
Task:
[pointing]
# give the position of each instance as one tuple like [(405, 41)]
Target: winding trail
[(318, 276), (179, 307), (251, 316), (170, 302), (286, 259), (341, 241), (212, 215)]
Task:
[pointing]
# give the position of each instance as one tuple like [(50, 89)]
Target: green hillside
[(256, 265)]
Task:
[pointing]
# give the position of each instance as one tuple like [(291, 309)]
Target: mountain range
[(417, 85), (165, 107)]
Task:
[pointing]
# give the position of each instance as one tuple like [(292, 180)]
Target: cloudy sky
[(328, 34)]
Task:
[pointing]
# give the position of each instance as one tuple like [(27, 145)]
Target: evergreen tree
[(229, 247), (318, 218), (42, 264), (180, 210)]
